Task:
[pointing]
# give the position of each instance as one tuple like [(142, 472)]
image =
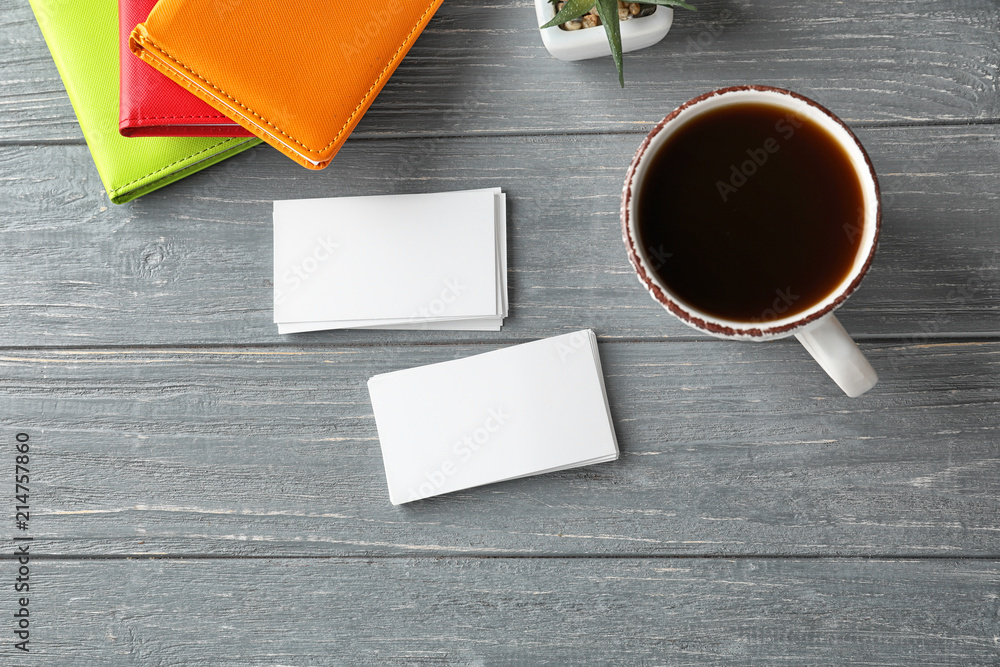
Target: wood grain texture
[(512, 612), (757, 516), (192, 264), (727, 448), (481, 68)]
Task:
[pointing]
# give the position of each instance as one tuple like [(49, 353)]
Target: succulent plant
[(607, 11)]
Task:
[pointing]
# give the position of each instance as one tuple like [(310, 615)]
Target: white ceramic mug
[(816, 328)]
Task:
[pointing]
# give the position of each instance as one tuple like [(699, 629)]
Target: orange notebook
[(299, 74)]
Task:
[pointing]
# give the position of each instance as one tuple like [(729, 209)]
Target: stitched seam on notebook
[(146, 40), (219, 116), (172, 164)]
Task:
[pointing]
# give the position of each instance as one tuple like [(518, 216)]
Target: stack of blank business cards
[(422, 261), (523, 410)]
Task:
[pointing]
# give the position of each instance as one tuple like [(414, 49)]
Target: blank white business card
[(397, 261), (523, 410)]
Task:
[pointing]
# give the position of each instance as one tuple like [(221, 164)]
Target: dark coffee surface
[(751, 213)]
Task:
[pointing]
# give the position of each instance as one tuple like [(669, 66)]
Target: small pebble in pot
[(626, 11)]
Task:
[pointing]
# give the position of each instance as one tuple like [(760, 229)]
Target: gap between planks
[(486, 556), (291, 347), (390, 136)]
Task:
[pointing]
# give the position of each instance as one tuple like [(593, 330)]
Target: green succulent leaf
[(573, 9), (670, 3), (607, 10)]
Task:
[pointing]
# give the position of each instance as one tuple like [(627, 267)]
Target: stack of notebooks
[(165, 89), (422, 261), (525, 410)]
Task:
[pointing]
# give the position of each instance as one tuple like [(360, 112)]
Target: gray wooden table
[(207, 492)]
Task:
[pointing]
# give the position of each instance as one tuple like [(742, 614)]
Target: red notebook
[(150, 104)]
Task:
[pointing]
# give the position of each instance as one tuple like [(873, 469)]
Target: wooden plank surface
[(192, 264), (756, 516), (481, 68), (727, 448), (512, 612)]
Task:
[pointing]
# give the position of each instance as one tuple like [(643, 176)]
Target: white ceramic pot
[(593, 42)]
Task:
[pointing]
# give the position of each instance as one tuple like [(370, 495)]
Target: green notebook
[(83, 38)]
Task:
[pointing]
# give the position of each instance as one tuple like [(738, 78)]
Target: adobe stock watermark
[(438, 306), (301, 271), (757, 157), (357, 48), (658, 256), (429, 151), (783, 300), (223, 8), (710, 35), (960, 297), (577, 341), (462, 450), (852, 230), (22, 542)]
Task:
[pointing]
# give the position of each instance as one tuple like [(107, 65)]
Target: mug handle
[(834, 350)]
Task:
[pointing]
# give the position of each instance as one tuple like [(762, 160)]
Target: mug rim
[(693, 316)]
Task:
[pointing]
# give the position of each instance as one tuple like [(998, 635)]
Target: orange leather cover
[(299, 74)]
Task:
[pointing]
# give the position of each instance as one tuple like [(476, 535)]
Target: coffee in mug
[(752, 208), (752, 213)]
